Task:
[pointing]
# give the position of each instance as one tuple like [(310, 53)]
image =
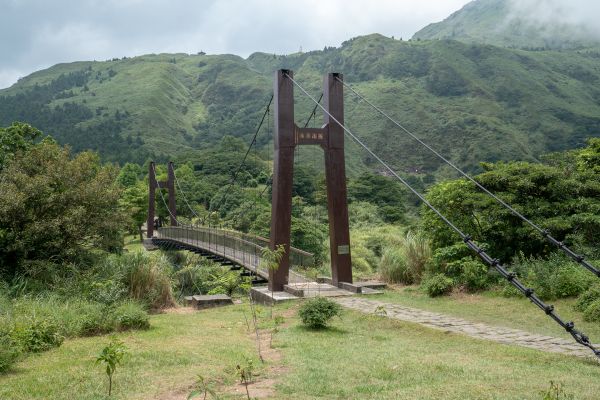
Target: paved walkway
[(474, 330)]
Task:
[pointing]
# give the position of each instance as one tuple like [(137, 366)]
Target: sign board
[(344, 249)]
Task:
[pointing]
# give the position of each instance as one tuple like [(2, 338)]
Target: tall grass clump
[(10, 349), (406, 261), (148, 280)]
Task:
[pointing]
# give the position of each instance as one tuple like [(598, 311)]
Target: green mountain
[(507, 23), (472, 102)]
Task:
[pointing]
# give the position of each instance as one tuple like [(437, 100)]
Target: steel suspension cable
[(269, 183), (252, 143), (314, 111), (578, 336), (183, 195), (544, 232)]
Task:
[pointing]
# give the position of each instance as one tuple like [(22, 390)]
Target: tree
[(564, 201), (379, 190), (16, 138), (112, 355), (134, 203), (56, 209), (129, 175)]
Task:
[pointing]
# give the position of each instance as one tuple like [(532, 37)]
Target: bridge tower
[(287, 135), (153, 184)]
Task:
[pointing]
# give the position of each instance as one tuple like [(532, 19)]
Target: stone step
[(208, 301), (371, 285), (263, 295)]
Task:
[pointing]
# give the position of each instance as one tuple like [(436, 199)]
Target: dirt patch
[(179, 394), (262, 389), (263, 386)]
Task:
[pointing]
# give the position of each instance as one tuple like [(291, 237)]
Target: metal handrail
[(234, 241)]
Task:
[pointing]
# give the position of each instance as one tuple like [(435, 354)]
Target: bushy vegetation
[(317, 313), (54, 208), (129, 315), (555, 277), (543, 192), (406, 261), (32, 324), (10, 349), (592, 312), (437, 285)]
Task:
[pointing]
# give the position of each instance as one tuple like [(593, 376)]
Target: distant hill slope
[(503, 23), (472, 102)]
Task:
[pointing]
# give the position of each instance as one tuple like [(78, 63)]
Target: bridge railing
[(241, 246)]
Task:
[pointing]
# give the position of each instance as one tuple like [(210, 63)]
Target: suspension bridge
[(245, 251)]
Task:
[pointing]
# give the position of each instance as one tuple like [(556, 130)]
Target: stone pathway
[(474, 330)]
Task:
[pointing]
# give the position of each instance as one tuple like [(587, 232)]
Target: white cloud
[(38, 33), (583, 14)]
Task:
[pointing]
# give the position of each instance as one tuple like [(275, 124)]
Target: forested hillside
[(475, 102)]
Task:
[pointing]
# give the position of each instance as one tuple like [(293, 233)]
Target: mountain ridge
[(475, 102)]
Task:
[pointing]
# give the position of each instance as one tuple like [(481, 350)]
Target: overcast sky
[(36, 34)]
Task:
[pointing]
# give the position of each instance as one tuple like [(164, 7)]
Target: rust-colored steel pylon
[(153, 184), (330, 137)]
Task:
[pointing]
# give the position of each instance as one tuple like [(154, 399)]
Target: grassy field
[(361, 357), (492, 308)]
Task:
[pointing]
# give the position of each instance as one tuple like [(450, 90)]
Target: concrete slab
[(367, 290), (262, 295), (208, 301), (371, 285), (148, 245)]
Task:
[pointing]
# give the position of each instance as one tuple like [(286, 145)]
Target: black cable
[(244, 159), (509, 276), (312, 114), (183, 194), (544, 232)]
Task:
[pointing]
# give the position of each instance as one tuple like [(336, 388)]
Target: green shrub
[(554, 277), (130, 315), (437, 285), (592, 312), (571, 280), (37, 335), (316, 313), (92, 319), (443, 256), (108, 291), (9, 348), (587, 298), (474, 275)]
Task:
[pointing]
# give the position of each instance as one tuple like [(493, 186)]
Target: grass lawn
[(492, 308), (163, 360), (361, 357)]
